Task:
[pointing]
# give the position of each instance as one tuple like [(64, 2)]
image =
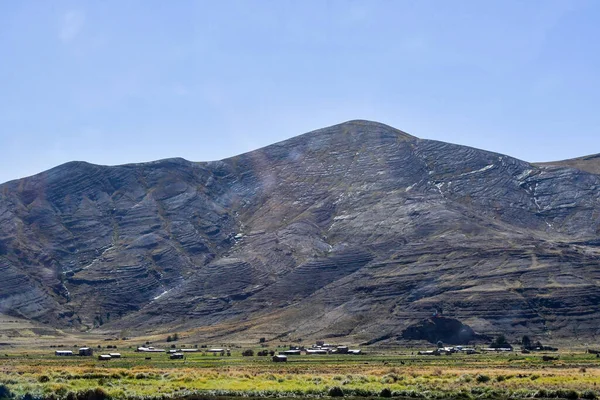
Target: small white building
[(150, 350), (216, 350)]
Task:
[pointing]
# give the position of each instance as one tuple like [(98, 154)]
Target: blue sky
[(114, 82)]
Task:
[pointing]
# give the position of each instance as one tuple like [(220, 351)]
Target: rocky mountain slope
[(357, 230), (589, 163)]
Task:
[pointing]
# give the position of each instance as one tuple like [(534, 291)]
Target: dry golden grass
[(43, 375)]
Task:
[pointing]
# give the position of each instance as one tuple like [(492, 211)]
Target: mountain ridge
[(351, 230)]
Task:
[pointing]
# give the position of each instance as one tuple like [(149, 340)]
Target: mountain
[(358, 230)]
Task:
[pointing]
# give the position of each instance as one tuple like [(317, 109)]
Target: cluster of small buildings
[(179, 353), (319, 348), (84, 351), (447, 351)]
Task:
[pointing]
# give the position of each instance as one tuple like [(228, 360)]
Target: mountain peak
[(362, 126)]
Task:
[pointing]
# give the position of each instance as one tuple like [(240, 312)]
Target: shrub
[(568, 394), (385, 392), (589, 395), (391, 378), (482, 378), (336, 391), (5, 392), (44, 378), (93, 394), (248, 353)]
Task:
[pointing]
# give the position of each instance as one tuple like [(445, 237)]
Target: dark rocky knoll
[(446, 330), (357, 230)]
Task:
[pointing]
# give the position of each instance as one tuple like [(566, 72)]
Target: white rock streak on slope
[(479, 170), (162, 294)]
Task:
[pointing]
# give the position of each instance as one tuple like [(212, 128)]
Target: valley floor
[(31, 374)]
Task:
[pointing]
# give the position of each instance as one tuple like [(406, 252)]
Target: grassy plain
[(39, 374)]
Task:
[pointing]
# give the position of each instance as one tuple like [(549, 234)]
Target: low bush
[(93, 394), (589, 395), (567, 394), (5, 392), (336, 391)]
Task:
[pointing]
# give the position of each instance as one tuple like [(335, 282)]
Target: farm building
[(114, 355), (104, 357), (176, 356), (497, 349), (149, 350), (290, 352), (279, 358), (188, 350), (354, 351), (86, 351), (316, 351), (64, 353)]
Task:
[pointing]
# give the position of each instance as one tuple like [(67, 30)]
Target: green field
[(40, 374)]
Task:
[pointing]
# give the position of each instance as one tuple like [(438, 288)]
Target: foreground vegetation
[(41, 375)]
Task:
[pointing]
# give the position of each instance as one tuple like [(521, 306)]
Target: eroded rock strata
[(356, 230)]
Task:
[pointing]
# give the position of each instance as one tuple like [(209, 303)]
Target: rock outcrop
[(356, 230), (446, 330)]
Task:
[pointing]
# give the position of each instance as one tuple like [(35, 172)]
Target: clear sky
[(114, 82)]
